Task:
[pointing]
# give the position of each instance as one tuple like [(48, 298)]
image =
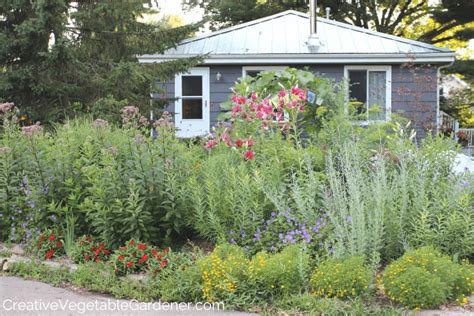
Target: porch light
[(218, 76)]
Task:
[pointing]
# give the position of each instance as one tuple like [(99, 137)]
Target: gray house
[(396, 74)]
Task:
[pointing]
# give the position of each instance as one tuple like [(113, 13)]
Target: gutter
[(294, 59)]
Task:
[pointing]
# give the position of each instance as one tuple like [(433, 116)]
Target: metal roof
[(284, 36)]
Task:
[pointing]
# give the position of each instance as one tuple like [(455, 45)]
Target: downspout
[(438, 123)]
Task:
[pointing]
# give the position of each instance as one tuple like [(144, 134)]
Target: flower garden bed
[(283, 191)]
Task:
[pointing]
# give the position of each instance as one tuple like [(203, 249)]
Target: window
[(370, 88), (253, 71), (192, 97)]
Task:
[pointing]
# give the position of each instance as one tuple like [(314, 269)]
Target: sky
[(173, 7)]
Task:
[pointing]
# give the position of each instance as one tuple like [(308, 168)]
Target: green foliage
[(136, 256), (425, 278), (181, 282), (382, 202), (342, 278), (41, 272), (330, 96), (308, 303), (281, 274), (53, 70), (96, 277), (49, 245), (88, 249), (230, 276)]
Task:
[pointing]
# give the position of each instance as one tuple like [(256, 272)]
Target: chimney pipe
[(313, 40), (313, 6)]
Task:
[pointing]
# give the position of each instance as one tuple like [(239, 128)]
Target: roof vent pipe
[(328, 13), (313, 41)]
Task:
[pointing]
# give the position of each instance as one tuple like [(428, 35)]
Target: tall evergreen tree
[(62, 56)]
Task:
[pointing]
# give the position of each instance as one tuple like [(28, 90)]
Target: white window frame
[(261, 68), (388, 84)]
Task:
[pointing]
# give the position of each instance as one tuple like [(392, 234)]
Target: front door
[(192, 103)]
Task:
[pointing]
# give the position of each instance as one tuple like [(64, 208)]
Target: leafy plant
[(49, 245), (342, 278), (136, 256), (425, 278), (88, 249)]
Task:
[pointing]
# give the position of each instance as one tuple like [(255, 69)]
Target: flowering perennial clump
[(136, 256), (90, 250), (425, 278), (269, 109), (49, 245), (346, 278), (280, 230), (241, 144)]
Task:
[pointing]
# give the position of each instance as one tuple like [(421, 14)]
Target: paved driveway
[(24, 297)]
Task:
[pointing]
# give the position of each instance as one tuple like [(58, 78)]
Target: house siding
[(414, 91), (415, 95)]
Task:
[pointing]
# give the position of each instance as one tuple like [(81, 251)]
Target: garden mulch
[(17, 289)]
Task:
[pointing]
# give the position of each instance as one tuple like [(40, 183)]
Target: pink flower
[(236, 109), (300, 93), (99, 123), (249, 155), (226, 138), (282, 93), (32, 129), (130, 110), (253, 96), (211, 144), (250, 142), (5, 107)]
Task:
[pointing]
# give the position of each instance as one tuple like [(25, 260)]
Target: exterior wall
[(415, 96), (414, 91)]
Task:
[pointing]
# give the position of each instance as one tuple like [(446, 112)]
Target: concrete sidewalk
[(17, 296)]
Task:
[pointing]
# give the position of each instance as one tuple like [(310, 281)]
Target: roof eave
[(294, 59)]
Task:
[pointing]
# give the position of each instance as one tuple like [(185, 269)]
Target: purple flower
[(257, 235), (273, 214), (31, 204), (242, 233), (232, 241), (53, 218), (349, 219)]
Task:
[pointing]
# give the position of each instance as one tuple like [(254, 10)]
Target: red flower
[(130, 264), (49, 254), (249, 155), (239, 143), (164, 263), (59, 244), (143, 259), (97, 252), (106, 252), (52, 237), (97, 259), (87, 258), (120, 258), (141, 246), (131, 242), (166, 250)]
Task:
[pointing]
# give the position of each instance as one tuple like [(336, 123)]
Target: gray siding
[(414, 95), (414, 91)]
